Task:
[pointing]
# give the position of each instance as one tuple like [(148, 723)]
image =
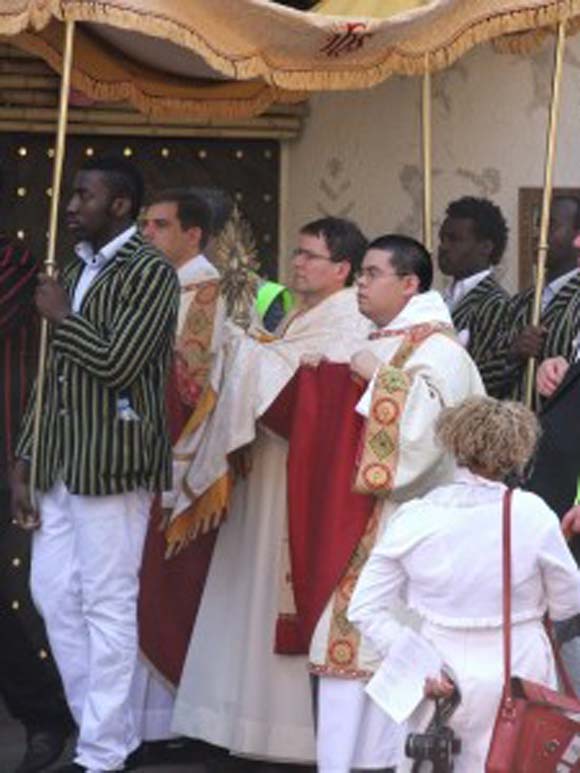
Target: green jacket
[(273, 302)]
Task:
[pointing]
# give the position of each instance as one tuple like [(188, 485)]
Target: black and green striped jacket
[(482, 311), (115, 352), (561, 318)]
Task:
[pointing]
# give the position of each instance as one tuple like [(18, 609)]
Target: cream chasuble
[(235, 692)]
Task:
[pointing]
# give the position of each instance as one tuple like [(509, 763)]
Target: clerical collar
[(196, 269), (86, 252), (427, 307), (458, 289)]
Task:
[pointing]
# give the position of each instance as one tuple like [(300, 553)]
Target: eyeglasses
[(372, 273), (308, 255)]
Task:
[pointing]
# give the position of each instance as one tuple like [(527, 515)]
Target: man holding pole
[(556, 471), (103, 450), (560, 320)]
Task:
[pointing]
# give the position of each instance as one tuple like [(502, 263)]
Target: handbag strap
[(507, 611), (507, 594)]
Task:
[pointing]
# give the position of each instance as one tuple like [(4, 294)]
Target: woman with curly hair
[(443, 555)]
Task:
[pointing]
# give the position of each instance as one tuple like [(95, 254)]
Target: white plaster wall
[(360, 155)]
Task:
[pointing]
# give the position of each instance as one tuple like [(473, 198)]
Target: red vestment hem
[(316, 413), (171, 589)]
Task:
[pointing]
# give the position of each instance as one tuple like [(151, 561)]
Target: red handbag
[(537, 730)]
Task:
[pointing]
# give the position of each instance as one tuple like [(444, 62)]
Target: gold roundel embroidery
[(341, 653), (386, 411), (376, 476)]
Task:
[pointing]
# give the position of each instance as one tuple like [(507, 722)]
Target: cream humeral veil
[(247, 376)]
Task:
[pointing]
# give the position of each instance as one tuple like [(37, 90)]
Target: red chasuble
[(171, 590), (316, 413)]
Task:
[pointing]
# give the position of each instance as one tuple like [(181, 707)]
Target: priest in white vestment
[(416, 367), (235, 691)]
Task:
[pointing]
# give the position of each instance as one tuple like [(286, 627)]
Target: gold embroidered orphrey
[(375, 475)]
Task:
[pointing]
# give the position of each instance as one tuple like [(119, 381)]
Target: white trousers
[(85, 579), (352, 731), (153, 701)]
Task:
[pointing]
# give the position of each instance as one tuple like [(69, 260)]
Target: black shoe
[(137, 757), (43, 747), (132, 761)]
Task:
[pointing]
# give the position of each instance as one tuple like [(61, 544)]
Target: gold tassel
[(205, 513)]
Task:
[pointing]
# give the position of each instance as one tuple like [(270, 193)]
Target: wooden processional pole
[(427, 158), (547, 201), (50, 263)]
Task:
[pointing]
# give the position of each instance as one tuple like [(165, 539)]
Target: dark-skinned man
[(560, 319), (556, 469), (103, 452), (555, 473), (472, 241)]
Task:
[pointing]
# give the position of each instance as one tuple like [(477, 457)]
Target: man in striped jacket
[(558, 333), (103, 452), (472, 239)]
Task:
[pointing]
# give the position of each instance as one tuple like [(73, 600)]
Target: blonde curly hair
[(492, 438)]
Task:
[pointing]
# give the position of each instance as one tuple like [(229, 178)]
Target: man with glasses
[(235, 691), (415, 367)]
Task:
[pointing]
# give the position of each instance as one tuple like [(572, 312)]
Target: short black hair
[(408, 257), (193, 211), (122, 178), (574, 200), (344, 240), (488, 222), (221, 206)]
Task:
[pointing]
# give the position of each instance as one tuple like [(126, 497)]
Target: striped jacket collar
[(75, 268), (562, 297), (459, 288), (481, 289), (86, 252)]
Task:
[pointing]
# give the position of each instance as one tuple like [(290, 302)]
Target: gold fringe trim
[(37, 15), (151, 92), (395, 60), (525, 43), (205, 513), (456, 39)]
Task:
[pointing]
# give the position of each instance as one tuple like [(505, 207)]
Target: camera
[(438, 744)]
